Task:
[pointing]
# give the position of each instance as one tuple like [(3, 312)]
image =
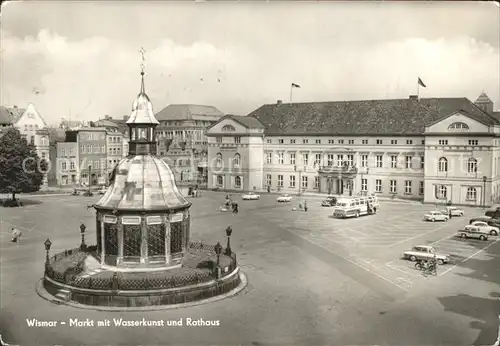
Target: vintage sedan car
[(250, 196), (472, 233), (454, 211), (284, 198), (436, 215), (493, 212), (483, 227), (489, 220), (425, 252), (330, 201)]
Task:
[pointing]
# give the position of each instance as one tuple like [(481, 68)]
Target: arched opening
[(443, 165)]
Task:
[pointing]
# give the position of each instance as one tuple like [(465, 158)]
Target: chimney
[(106, 117), (279, 102), (413, 97)]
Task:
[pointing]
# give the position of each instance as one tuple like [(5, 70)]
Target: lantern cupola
[(142, 122)]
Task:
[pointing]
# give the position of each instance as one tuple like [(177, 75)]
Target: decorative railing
[(129, 281), (338, 169)]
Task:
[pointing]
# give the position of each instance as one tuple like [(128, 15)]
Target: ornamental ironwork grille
[(156, 240), (186, 230), (175, 237), (111, 239), (132, 240), (98, 232)]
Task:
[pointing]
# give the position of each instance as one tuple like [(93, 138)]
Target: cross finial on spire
[(142, 51)]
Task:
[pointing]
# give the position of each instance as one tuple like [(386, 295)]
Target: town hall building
[(430, 149)]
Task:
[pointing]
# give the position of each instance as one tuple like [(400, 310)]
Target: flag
[(421, 83), (295, 85)]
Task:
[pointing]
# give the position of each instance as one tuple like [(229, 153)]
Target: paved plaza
[(312, 279)]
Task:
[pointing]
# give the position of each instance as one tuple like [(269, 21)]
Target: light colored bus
[(356, 206)]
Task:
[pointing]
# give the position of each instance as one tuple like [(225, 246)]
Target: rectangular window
[(218, 139), (330, 158), (316, 182), (317, 159), (292, 158), (292, 181), (72, 165), (379, 161), (351, 141), (364, 141), (63, 166), (378, 185), (409, 141), (280, 158), (304, 182), (82, 148), (292, 141), (379, 141), (423, 141), (443, 142), (364, 160), (421, 188), (305, 141), (408, 161), (280, 180), (350, 160), (473, 142), (331, 141), (268, 180), (340, 160), (394, 161), (422, 162), (305, 158), (364, 185), (393, 186), (268, 141), (103, 149), (281, 141), (408, 187), (237, 139), (318, 141), (393, 141), (269, 158), (96, 164), (63, 152), (341, 141)]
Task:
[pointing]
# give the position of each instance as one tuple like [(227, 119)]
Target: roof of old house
[(189, 112), (248, 122), (398, 116), (5, 116), (483, 98), (16, 113)]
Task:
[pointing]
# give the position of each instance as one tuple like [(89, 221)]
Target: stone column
[(119, 228), (103, 243), (144, 239), (168, 256)]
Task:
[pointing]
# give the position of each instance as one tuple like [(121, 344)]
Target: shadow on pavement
[(482, 309)]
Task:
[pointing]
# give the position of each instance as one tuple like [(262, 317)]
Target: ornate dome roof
[(142, 183)]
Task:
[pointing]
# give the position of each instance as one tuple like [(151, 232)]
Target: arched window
[(443, 165), (472, 165), (237, 181), (236, 160), (218, 159), (228, 128), (220, 180), (458, 126), (471, 194)]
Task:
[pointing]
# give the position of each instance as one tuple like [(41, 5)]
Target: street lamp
[(47, 244), (484, 191), (82, 232), (229, 230), (90, 170)]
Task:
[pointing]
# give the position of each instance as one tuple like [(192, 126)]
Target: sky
[(81, 60)]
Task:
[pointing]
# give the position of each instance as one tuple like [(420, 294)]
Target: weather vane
[(142, 51)]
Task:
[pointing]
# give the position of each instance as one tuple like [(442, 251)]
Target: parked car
[(425, 252), (250, 196), (284, 198), (436, 215), (330, 201), (454, 211), (489, 220), (102, 190), (483, 227), (493, 212), (472, 233)]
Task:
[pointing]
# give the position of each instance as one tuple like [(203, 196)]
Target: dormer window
[(228, 128), (458, 126)]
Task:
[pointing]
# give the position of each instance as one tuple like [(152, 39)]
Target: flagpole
[(291, 90)]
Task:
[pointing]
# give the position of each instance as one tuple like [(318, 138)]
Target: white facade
[(30, 122)]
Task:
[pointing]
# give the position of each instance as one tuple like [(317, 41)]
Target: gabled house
[(29, 122)]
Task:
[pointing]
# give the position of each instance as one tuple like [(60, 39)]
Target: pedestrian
[(305, 205), (268, 189), (16, 236)]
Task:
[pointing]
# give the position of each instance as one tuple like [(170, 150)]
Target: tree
[(21, 170)]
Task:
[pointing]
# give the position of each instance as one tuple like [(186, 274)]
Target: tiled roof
[(399, 116), (189, 112), (248, 122), (496, 115), (143, 183), (483, 98), (5, 116)]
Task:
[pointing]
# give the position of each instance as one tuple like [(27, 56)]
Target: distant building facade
[(46, 145), (115, 148), (435, 150), (182, 140), (68, 168), (92, 155), (29, 122)]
